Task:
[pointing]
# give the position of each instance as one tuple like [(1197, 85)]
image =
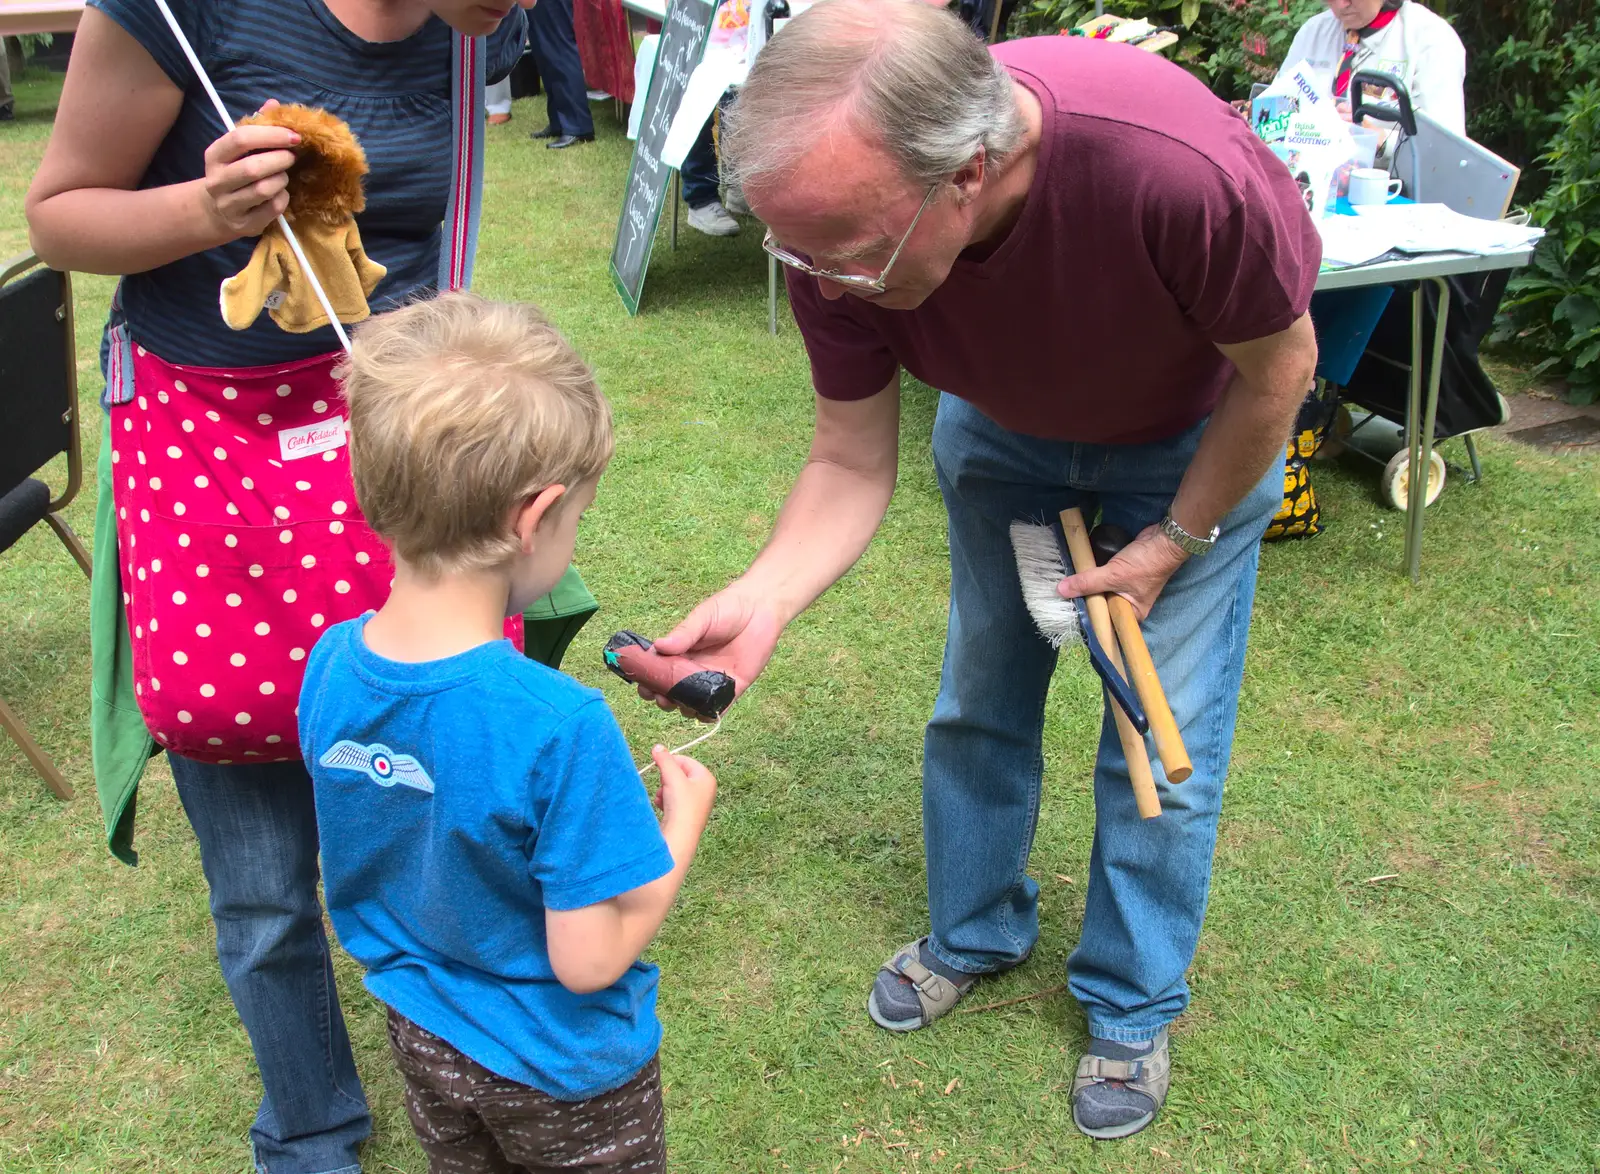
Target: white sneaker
[(733, 201), (713, 220)]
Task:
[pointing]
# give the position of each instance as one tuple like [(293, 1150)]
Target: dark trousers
[(5, 76), (555, 49), (699, 169), (471, 1121), (700, 172)]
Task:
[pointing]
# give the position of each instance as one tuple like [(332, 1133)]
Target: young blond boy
[(500, 895)]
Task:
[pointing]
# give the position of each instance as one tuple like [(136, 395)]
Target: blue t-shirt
[(396, 97), (457, 800)]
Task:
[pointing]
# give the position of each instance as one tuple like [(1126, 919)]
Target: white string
[(283, 223), (651, 765)]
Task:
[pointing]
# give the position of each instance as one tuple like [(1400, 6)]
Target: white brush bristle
[(1040, 568)]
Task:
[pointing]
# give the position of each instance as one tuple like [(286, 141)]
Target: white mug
[(1372, 185)]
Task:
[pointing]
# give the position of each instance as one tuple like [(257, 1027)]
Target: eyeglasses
[(849, 280)]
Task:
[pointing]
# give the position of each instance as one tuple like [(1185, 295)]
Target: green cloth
[(550, 623), (119, 742)]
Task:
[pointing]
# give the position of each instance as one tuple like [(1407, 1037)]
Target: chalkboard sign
[(683, 41)]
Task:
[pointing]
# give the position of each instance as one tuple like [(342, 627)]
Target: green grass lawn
[(1445, 1019)]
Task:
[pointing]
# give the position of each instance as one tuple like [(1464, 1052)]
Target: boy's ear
[(534, 511)]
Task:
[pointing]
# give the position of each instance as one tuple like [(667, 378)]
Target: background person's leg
[(700, 188), (555, 48), (7, 103), (1149, 879), (699, 170), (497, 100), (257, 828)]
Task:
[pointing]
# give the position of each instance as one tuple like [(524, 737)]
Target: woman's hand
[(247, 178)]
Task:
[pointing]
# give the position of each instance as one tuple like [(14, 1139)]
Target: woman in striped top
[(140, 180)]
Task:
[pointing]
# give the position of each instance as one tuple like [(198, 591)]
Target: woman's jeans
[(983, 763), (257, 828)]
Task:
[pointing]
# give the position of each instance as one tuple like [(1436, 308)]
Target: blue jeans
[(983, 763), (257, 828)]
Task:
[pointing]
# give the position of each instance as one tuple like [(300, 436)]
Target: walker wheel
[(1397, 479)]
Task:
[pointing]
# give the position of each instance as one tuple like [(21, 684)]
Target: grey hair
[(908, 75)]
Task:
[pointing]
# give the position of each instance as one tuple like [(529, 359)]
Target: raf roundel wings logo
[(380, 764)]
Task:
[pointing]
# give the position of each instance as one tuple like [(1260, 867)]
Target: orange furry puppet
[(324, 196)]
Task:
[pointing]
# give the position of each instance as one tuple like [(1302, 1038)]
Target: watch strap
[(1190, 543)]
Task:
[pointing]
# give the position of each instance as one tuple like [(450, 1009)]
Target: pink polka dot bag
[(240, 542)]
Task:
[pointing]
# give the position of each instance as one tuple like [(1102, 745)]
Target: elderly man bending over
[(1107, 276)]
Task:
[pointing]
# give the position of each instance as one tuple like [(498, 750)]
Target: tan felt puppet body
[(324, 196)]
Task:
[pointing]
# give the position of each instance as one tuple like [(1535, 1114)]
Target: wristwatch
[(1187, 542)]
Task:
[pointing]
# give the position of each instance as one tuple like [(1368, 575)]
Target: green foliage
[(32, 42), (1228, 44), (1522, 57), (1555, 305)]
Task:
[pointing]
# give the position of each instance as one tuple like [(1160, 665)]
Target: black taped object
[(707, 692), (1107, 540)]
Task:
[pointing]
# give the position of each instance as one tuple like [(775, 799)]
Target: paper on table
[(1434, 228), (1353, 240), (718, 70), (644, 61)]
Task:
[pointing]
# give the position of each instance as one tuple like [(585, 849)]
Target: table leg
[(677, 187), (1419, 441), (772, 295), (1413, 412)]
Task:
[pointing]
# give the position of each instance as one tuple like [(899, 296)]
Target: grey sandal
[(1134, 1091), (923, 995)]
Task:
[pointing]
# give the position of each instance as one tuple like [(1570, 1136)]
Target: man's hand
[(1242, 440), (733, 632), (826, 522), (1138, 572)]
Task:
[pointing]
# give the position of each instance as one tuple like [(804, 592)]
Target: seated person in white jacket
[(1397, 37)]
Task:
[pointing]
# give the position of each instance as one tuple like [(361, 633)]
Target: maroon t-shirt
[(1157, 225)]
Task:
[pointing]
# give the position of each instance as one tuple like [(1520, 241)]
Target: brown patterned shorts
[(470, 1121)]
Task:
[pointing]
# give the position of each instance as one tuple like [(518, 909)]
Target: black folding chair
[(39, 407)]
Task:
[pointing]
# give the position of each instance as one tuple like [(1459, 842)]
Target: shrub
[(1555, 305), (1228, 44), (1522, 57), (31, 43)]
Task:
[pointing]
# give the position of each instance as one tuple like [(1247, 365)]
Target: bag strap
[(459, 246)]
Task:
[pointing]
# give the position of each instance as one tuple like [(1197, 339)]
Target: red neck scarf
[(1352, 42)]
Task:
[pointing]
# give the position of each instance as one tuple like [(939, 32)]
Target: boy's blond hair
[(460, 410)]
